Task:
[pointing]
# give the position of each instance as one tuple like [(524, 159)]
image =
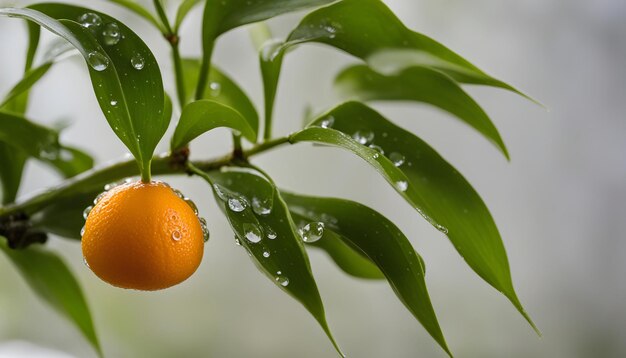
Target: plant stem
[(161, 12), (96, 178), (178, 72)]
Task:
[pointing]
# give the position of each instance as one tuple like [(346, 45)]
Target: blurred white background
[(560, 203)]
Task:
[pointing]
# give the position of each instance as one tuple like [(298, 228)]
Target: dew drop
[(50, 152), (270, 233), (176, 236), (363, 137), (87, 211), (90, 20), (402, 185), (82, 231), (98, 198), (220, 191), (216, 88), (237, 205), (205, 229), (312, 232), (113, 103), (282, 280), (178, 193), (111, 34), (261, 207), (137, 61), (327, 122), (193, 205), (98, 61), (397, 159), (252, 233), (85, 262), (377, 148), (237, 242), (266, 254)]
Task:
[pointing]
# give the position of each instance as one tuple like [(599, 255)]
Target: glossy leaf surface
[(262, 224), (222, 89), (369, 30), (53, 282), (419, 84), (125, 75), (204, 115), (383, 243), (431, 185)]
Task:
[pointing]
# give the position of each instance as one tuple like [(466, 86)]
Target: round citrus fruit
[(142, 236)]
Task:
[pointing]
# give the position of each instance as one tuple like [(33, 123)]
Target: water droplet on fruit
[(98, 61), (193, 205), (87, 211), (85, 262), (237, 204), (137, 61), (312, 232), (82, 231), (90, 20), (397, 159), (216, 88), (111, 34), (205, 229), (363, 137), (176, 236), (402, 185), (252, 233), (98, 198)]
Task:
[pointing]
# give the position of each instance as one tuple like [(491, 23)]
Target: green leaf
[(29, 137), (221, 89), (183, 10), (383, 243), (64, 217), (13, 161), (30, 78), (352, 261), (71, 161), (132, 98), (419, 84), (271, 60), (204, 115), (50, 278), (369, 30), (422, 177), (141, 11), (221, 16), (259, 214)]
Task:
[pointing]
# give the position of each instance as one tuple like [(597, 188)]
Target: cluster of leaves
[(394, 63)]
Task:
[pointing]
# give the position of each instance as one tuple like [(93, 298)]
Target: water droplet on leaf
[(216, 88), (363, 137), (252, 233), (137, 61), (98, 61), (261, 207), (90, 20), (282, 280), (237, 204), (397, 159), (111, 34), (312, 232), (266, 254), (402, 185)]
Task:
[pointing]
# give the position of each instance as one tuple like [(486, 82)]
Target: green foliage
[(275, 227), (50, 278)]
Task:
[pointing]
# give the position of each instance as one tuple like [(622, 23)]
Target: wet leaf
[(425, 180)]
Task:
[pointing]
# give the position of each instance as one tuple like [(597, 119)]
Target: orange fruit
[(142, 236)]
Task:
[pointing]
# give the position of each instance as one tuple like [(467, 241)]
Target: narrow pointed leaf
[(222, 89), (419, 84), (383, 243), (141, 11), (29, 137), (30, 78), (204, 115), (221, 16), (125, 76), (183, 9), (53, 282), (64, 217), (71, 161), (271, 60), (431, 185), (13, 161), (369, 30), (352, 261), (257, 213)]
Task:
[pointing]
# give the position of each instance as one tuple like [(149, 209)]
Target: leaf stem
[(178, 71), (161, 12)]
